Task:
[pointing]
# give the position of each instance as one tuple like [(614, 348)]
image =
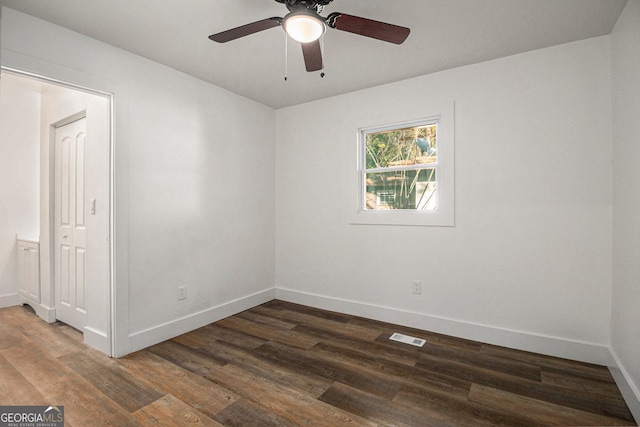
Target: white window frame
[(444, 214)]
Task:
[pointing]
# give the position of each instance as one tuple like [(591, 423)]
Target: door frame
[(108, 347)]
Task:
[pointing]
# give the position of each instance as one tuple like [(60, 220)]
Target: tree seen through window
[(400, 168)]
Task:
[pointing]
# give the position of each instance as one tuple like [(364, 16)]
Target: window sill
[(439, 218)]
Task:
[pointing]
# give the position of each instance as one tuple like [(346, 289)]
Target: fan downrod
[(311, 5)]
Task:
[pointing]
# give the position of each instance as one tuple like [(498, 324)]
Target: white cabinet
[(29, 269)]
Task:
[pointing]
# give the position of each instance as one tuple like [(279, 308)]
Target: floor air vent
[(418, 342)]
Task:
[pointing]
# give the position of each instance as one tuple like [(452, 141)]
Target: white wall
[(19, 176), (194, 183), (528, 263), (625, 317), (201, 202)]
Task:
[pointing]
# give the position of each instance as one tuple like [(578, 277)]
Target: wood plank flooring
[(282, 364)]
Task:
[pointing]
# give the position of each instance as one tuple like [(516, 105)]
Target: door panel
[(80, 283), (70, 227), (64, 267)]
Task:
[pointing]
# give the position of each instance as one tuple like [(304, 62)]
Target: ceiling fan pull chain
[(324, 54), (286, 56)]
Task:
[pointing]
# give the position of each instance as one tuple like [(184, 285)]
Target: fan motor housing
[(313, 5)]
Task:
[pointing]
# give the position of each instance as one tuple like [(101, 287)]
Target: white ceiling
[(444, 34)]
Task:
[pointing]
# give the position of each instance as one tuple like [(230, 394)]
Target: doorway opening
[(74, 189)]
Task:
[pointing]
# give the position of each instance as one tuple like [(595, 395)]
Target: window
[(405, 173), (400, 167)]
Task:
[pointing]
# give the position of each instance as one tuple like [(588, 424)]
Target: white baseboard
[(97, 339), (48, 314), (157, 334), (630, 391), (8, 300), (553, 346)]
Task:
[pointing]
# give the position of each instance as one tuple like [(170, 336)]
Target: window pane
[(407, 189), (400, 147)]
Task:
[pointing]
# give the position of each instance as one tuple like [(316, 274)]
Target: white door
[(70, 223)]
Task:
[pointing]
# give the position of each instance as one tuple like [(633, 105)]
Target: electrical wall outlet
[(416, 287), (182, 292)]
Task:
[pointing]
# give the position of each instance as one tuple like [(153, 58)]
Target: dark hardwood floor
[(283, 364)]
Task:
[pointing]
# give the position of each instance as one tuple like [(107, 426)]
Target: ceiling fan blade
[(368, 27), (245, 30), (312, 53)]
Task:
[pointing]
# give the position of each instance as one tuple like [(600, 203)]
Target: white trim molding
[(552, 346), (151, 336), (630, 391), (8, 300), (96, 339), (46, 313)]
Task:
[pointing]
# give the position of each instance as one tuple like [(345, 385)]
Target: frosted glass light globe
[(303, 27)]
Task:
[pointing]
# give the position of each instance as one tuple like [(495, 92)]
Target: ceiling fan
[(304, 24)]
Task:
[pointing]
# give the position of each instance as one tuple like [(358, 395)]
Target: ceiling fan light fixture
[(303, 27)]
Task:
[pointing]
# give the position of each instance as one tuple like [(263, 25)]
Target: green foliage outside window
[(389, 148), (409, 185)]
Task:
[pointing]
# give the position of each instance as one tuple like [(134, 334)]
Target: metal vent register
[(418, 342)]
